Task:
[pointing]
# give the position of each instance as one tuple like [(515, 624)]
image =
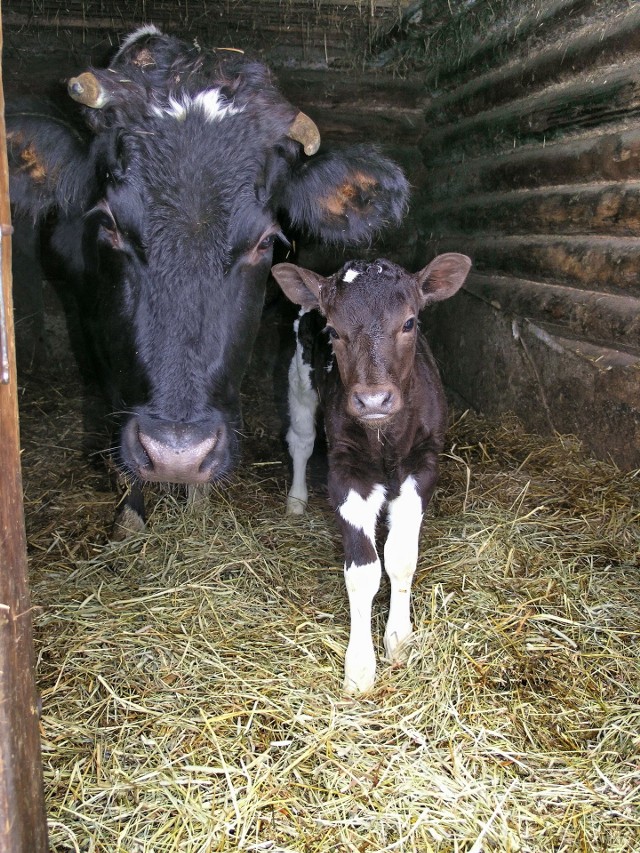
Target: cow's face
[(177, 251), (177, 193)]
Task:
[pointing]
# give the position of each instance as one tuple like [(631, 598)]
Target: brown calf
[(385, 415)]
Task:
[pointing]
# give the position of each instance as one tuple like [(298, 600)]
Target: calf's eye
[(332, 333), (409, 325)]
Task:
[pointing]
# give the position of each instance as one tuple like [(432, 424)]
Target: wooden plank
[(23, 827), (611, 209), (595, 44), (608, 265), (473, 38), (609, 95), (594, 157), (601, 319)]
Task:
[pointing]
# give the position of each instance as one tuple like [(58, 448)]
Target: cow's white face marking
[(350, 275), (210, 102), (400, 558)]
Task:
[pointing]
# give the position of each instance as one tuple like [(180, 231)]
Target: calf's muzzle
[(374, 403)]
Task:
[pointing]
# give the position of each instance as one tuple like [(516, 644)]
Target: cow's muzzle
[(162, 451)]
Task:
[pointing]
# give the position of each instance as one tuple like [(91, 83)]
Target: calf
[(385, 416)]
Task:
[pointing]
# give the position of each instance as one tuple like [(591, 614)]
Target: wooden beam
[(23, 827), (607, 264)]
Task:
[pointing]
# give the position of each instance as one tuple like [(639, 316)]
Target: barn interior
[(190, 675)]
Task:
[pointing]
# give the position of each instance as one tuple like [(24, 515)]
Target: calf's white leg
[(303, 402), (400, 559), (362, 572)]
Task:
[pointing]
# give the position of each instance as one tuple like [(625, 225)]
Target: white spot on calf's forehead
[(350, 275), (362, 513)]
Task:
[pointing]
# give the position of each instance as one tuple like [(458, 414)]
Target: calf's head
[(166, 200), (372, 323)]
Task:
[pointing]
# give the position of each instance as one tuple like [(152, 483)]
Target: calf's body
[(361, 358)]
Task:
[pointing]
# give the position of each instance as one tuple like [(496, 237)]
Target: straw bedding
[(191, 676)]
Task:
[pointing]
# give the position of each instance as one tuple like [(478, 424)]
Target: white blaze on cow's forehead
[(146, 30), (210, 102), (350, 275), (362, 513)]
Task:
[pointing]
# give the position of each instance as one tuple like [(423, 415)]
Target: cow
[(161, 194), (361, 358)]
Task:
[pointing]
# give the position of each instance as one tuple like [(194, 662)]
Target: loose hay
[(191, 676)]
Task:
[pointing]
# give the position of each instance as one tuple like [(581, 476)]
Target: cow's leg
[(400, 558), (357, 518), (303, 402)]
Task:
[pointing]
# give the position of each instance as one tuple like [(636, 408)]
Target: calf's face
[(372, 312)]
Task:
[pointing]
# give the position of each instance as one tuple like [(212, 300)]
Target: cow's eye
[(332, 333), (267, 243), (409, 325)]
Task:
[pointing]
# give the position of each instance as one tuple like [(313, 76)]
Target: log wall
[(532, 165)]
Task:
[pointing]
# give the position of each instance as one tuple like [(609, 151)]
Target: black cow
[(163, 205)]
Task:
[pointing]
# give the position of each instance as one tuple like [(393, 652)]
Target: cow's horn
[(304, 131), (87, 90)]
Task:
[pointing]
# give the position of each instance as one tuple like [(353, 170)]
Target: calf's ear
[(346, 196), (301, 286), (443, 277)]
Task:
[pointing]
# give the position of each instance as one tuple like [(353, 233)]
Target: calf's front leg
[(400, 558), (357, 517)]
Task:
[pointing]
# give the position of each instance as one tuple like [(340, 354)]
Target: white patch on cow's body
[(350, 275), (146, 30), (303, 402), (362, 513), (362, 583), (400, 558), (209, 101)]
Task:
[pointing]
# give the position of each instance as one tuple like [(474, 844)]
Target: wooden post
[(23, 826)]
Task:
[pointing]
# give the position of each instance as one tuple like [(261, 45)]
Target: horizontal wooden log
[(611, 209), (594, 157), (594, 44), (608, 96), (608, 265), (601, 319), (478, 40)]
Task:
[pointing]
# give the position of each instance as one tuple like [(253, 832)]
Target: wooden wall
[(532, 166)]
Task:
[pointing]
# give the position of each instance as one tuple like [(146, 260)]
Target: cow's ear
[(48, 162), (301, 286), (346, 197), (443, 277)]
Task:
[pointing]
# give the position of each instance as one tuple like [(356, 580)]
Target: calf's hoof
[(397, 644), (359, 675)]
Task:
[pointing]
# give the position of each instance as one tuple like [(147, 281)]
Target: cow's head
[(372, 322), (167, 202)]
